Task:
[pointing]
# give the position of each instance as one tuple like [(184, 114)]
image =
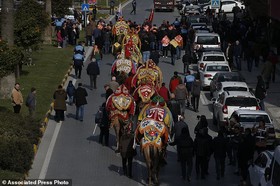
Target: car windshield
[(213, 58), (207, 40), (235, 89), (241, 101), (230, 77), (216, 68), (254, 118)]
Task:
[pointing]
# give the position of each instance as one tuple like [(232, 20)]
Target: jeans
[(237, 60), (173, 58), (159, 46), (89, 40), (195, 102), (92, 79), (182, 104), (98, 62), (80, 112), (220, 167), (261, 103), (107, 47), (146, 56), (78, 71), (70, 99), (64, 43), (178, 52), (153, 45)]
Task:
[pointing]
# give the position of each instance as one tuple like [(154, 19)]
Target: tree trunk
[(48, 31), (7, 27)]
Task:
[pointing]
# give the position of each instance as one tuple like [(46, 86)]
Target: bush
[(17, 136), (4, 174)]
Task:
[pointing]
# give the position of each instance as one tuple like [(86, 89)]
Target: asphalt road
[(70, 151)]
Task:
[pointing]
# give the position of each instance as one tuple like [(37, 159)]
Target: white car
[(228, 5), (206, 40), (230, 86), (249, 118), (210, 57), (228, 102), (209, 70), (258, 168)]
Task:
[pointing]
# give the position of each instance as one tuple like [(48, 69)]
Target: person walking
[(112, 6), (196, 87), (79, 49), (70, 92), (113, 84), (174, 107), (174, 81), (188, 80), (133, 7), (17, 99), (229, 55), (93, 71), (31, 102), (104, 125), (127, 152), (201, 125), (237, 52), (89, 34), (185, 149), (219, 146), (60, 97), (97, 54), (186, 61), (164, 93), (181, 95), (78, 60), (260, 91), (80, 101), (202, 150), (94, 12)]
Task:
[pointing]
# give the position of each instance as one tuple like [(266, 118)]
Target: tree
[(61, 7), (7, 21), (48, 30), (30, 25)]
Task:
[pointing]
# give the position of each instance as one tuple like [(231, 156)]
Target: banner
[(151, 17)]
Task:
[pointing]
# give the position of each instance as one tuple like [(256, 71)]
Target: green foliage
[(60, 7), (17, 136), (9, 58), (30, 25), (4, 174)]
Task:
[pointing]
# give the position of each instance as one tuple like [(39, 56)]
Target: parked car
[(223, 77), (258, 168), (228, 102), (209, 70), (209, 57), (230, 86), (249, 118)]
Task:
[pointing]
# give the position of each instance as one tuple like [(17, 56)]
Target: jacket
[(93, 69), (31, 100), (196, 86), (219, 146), (174, 107), (105, 117), (70, 90), (178, 126), (202, 145), (163, 92), (185, 147), (16, 96), (174, 81), (260, 91), (181, 92), (80, 96), (59, 97)]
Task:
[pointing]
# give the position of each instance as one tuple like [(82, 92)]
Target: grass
[(51, 64)]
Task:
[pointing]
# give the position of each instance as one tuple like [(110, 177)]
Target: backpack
[(99, 115)]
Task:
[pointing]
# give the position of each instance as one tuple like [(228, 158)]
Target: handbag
[(98, 116)]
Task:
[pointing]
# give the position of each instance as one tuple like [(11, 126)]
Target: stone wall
[(6, 85)]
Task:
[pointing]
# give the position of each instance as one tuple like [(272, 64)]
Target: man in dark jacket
[(31, 102), (108, 90), (104, 125), (196, 87), (93, 71), (174, 107), (185, 146), (260, 91), (202, 152), (80, 101), (219, 145), (59, 97)]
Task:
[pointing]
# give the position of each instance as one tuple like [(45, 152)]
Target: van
[(272, 176)]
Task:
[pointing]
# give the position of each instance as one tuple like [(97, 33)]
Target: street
[(71, 151)]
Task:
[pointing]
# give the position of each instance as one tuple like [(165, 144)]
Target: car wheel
[(214, 120)]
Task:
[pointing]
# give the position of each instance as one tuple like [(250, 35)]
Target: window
[(235, 89), (217, 68), (207, 40), (241, 101), (254, 118), (213, 58), (261, 161)]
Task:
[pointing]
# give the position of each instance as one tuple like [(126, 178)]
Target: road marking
[(203, 99), (49, 152)]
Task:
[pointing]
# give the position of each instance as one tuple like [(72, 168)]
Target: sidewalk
[(272, 102)]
